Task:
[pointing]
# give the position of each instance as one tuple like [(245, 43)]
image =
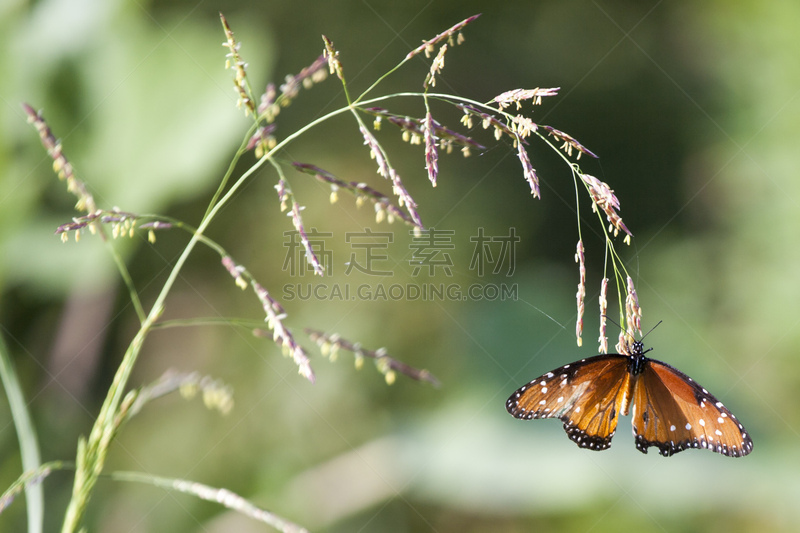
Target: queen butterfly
[(670, 410)]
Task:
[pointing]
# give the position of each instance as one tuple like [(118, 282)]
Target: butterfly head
[(637, 359), (637, 348)]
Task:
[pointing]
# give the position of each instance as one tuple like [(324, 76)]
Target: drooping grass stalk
[(224, 497), (30, 480)]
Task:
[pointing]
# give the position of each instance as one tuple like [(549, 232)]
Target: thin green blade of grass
[(28, 441)]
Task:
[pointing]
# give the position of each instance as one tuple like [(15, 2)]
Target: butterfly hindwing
[(587, 396), (672, 412)]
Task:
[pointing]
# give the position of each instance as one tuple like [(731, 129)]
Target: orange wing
[(587, 396), (672, 412)]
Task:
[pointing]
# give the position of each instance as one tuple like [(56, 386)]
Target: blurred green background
[(693, 109)]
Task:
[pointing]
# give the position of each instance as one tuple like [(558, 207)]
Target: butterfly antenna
[(631, 336), (612, 321), (620, 327), (651, 330)]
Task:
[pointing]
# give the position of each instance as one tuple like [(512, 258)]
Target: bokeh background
[(693, 109)]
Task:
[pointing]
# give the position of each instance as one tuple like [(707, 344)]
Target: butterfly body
[(669, 410)]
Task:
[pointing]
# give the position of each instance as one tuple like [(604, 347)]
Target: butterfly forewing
[(672, 412), (587, 396)]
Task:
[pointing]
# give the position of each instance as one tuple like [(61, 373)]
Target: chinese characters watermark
[(429, 254)]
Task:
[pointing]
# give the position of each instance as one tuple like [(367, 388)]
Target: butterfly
[(670, 410)]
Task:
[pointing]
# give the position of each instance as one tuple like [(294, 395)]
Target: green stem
[(126, 277), (92, 453)]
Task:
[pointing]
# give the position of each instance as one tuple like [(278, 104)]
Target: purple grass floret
[(487, 120), (431, 154), (233, 60), (604, 199), (331, 55), (122, 224), (262, 140), (436, 67), (516, 96), (330, 344), (307, 77), (413, 130), (285, 196), (28, 479), (527, 170), (267, 107), (633, 312), (297, 221), (399, 190), (603, 300), (581, 294), (61, 165), (361, 191), (281, 334), (570, 142), (427, 46), (235, 271)]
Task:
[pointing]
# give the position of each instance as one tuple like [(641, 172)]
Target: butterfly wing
[(587, 396), (672, 412)]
